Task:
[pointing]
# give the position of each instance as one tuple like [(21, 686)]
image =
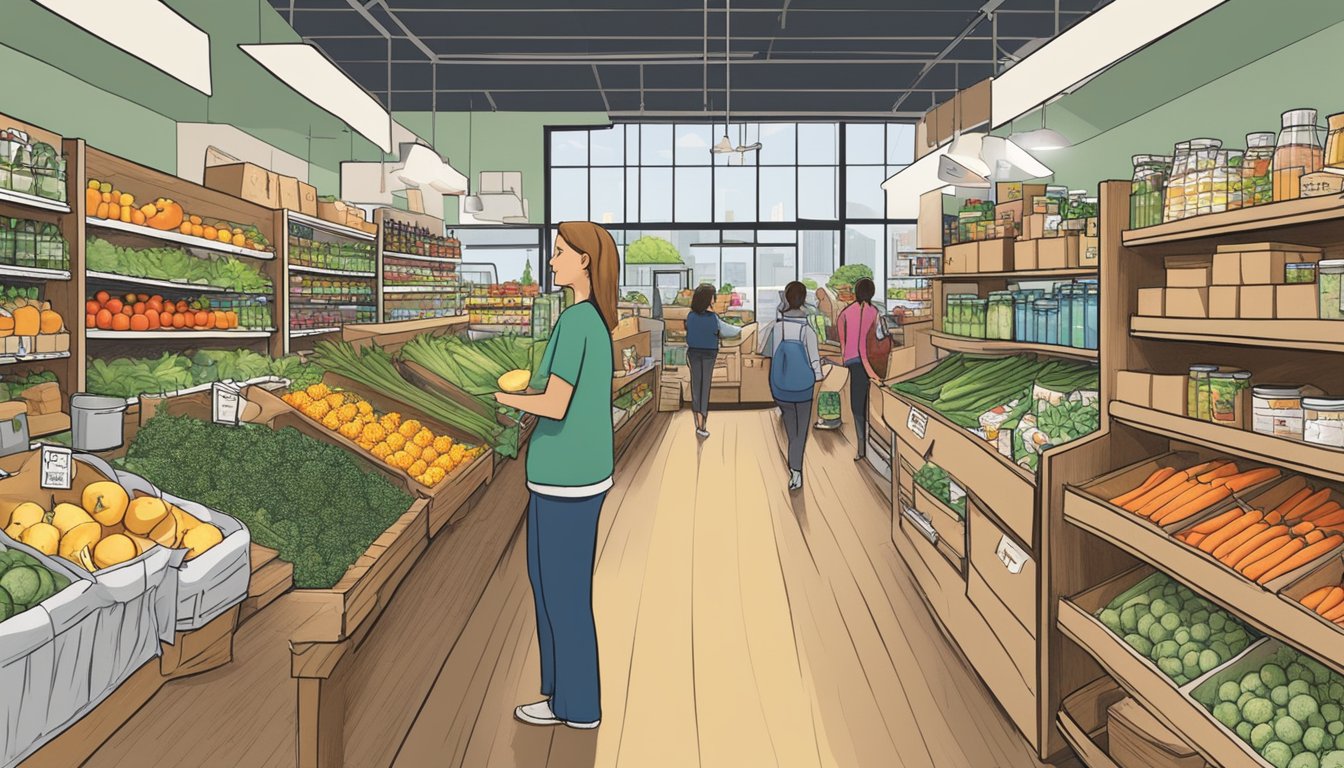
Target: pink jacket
[(856, 325)]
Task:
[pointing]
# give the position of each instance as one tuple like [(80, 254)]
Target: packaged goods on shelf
[(419, 307), (330, 252), (32, 244), (31, 167), (416, 240), (1145, 197), (397, 272), (1183, 634), (936, 481), (310, 317), (1323, 421), (329, 290), (1067, 316)]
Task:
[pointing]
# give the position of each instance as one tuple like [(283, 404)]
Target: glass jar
[(1297, 153), (1047, 321), (1257, 177), (1021, 312), (1277, 410), (1092, 317), (1146, 190), (1203, 170), (1218, 185), (1334, 141), (1197, 391), (1323, 421), (1227, 397), (999, 321), (1331, 280), (1300, 272), (978, 310), (25, 243), (51, 253), (1174, 207), (1063, 294), (1236, 158), (1077, 336)]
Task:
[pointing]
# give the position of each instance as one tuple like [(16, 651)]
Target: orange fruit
[(113, 305), (91, 307), (101, 297), (139, 308), (139, 323), (155, 304), (91, 321), (180, 320), (199, 319), (103, 319), (153, 319), (166, 319), (209, 232), (121, 322), (181, 305)]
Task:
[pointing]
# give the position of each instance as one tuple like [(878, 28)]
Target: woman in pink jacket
[(857, 323)]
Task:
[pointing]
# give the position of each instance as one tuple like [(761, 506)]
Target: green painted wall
[(80, 86), (500, 141), (1229, 73)]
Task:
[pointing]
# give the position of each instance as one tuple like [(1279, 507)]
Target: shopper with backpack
[(795, 368)]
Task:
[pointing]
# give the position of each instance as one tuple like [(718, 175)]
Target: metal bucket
[(96, 422)]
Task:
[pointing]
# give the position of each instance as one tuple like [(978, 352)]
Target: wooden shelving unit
[(1306, 335), (951, 343), (295, 338), (1023, 275), (450, 293)]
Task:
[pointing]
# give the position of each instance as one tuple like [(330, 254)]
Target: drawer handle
[(922, 523)]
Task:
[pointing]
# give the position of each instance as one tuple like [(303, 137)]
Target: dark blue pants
[(561, 542)]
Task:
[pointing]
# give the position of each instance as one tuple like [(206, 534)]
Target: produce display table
[(391, 336)]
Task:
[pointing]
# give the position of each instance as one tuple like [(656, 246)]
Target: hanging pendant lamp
[(1041, 139), (471, 203), (725, 144)]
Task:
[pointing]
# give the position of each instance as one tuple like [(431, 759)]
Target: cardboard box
[(289, 192), (641, 342), (1010, 191), (335, 211), (1300, 301), (1226, 269), (1009, 213), (1189, 276), (1257, 302), (995, 256), (1225, 302), (1034, 226), (1024, 255), (1089, 251), (929, 226), (1152, 302), (1168, 393), (626, 327), (1187, 302), (1092, 227), (1137, 739), (247, 181), (961, 258), (50, 342), (307, 199), (1322, 183), (1134, 387), (1057, 253), (1045, 205), (1263, 263)]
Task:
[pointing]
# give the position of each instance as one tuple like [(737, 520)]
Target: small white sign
[(58, 467), (227, 403), (1011, 555), (918, 421)]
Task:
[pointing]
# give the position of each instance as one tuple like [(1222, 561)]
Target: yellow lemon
[(106, 501), (200, 539), (143, 514), (114, 550), (44, 537)]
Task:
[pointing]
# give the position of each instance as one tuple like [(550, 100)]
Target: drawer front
[(1015, 639), (932, 550), (964, 456), (1017, 592), (951, 529)]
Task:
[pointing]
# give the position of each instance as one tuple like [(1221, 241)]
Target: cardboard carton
[(1024, 255), (1010, 191), (1089, 251), (1226, 269), (1137, 739), (307, 199), (961, 258), (1300, 301), (1152, 302), (336, 211), (1012, 212), (1257, 302), (1225, 302), (1092, 227), (247, 181), (50, 342), (289, 192), (1168, 393), (1134, 387), (1057, 252), (1039, 225), (995, 256), (1187, 302), (640, 341), (1186, 276), (1263, 263)]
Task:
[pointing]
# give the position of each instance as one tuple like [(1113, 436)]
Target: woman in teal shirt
[(569, 469)]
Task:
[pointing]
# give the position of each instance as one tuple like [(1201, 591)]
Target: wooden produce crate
[(1083, 721), (446, 499), (423, 377), (391, 336)]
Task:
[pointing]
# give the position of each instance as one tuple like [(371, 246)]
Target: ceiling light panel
[(304, 68)]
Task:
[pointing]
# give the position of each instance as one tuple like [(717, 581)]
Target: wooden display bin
[(1083, 719), (1327, 574), (950, 525), (391, 336)]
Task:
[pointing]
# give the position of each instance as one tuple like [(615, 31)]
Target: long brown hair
[(604, 264), (702, 298)]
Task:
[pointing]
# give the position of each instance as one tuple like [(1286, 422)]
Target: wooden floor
[(739, 626)]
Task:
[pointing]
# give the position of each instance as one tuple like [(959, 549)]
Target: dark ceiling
[(791, 58)]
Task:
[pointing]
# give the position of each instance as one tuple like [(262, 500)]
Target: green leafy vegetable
[(218, 270), (128, 377), (849, 274)]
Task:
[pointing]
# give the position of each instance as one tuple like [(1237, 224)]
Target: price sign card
[(918, 421), (58, 467), (226, 402)]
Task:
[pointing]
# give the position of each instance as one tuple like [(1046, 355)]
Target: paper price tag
[(1011, 555), (227, 404), (917, 422), (58, 468)]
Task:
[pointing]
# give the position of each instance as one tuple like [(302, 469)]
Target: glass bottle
[(1047, 321), (1092, 317), (1064, 320), (1257, 177), (1334, 141), (1297, 153), (1205, 153), (1174, 207)]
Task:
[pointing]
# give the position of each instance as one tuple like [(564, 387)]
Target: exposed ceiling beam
[(417, 42), (696, 38), (667, 60), (986, 11), (605, 103)]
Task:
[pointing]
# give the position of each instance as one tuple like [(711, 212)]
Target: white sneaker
[(583, 726), (702, 433), (537, 714), (795, 480)]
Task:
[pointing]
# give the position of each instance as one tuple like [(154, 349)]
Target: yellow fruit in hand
[(114, 550), (143, 514), (81, 536), (408, 428), (424, 437), (106, 501), (44, 537), (200, 539), (23, 517), (515, 381), (443, 444), (66, 516)]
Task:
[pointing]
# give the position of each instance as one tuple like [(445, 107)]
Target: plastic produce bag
[(828, 406)]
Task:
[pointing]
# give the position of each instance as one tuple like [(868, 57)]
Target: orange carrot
[(1303, 528), (1306, 555), (1273, 518), (1200, 469), (1144, 505), (1214, 523), (1326, 515), (1334, 614), (1218, 537), (1263, 551), (1174, 480), (1269, 533), (1192, 508), (1309, 504), (1156, 477), (1328, 509), (1222, 470), (1314, 536), (1188, 493), (1273, 560), (1316, 598), (1194, 539), (1333, 597), (1293, 501), (1234, 543), (1252, 477)]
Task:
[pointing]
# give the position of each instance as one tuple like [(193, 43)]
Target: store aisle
[(738, 627)]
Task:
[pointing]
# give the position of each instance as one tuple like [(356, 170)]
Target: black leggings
[(858, 402)]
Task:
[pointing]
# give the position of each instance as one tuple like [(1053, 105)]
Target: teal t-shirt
[(576, 450)]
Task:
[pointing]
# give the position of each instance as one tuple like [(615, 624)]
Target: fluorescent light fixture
[(962, 165), (473, 204), (1041, 139), (149, 31), (1009, 162), (904, 188), (1098, 41), (304, 68)]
